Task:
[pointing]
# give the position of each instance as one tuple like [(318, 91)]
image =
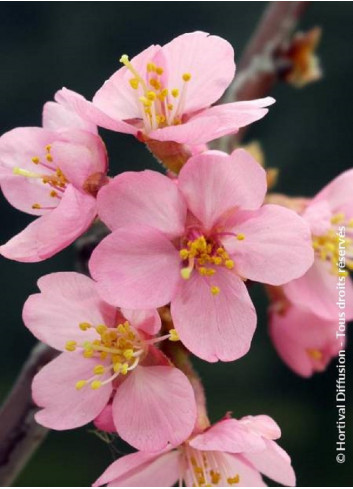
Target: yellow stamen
[(186, 77), (215, 290), (186, 273), (80, 384), (71, 345), (36, 206), (175, 92), (99, 370), (173, 335), (240, 236), (84, 326), (35, 160), (134, 83), (96, 384)]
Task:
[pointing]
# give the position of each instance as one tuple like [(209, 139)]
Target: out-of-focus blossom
[(304, 64), (330, 216), (305, 342), (55, 173), (164, 94), (193, 243), (108, 358), (231, 453)]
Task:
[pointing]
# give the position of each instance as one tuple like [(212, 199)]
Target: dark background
[(44, 46)]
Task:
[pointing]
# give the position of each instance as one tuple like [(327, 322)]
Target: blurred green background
[(44, 46)]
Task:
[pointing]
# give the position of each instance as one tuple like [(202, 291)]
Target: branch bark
[(20, 435), (258, 67)]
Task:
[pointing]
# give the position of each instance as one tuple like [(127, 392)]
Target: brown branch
[(20, 435), (258, 68)]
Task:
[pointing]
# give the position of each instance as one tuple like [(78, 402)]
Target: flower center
[(160, 105), (207, 469), (56, 180), (121, 348), (205, 255), (336, 246)]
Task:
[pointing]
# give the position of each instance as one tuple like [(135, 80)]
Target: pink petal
[(147, 320), (228, 435), (194, 131), (66, 300), (136, 268), (231, 117), (56, 117), (141, 469), (214, 326), (277, 246), (81, 154), (65, 407), (273, 462), (214, 184), (338, 193), (104, 421), (146, 198), (116, 97), (17, 148), (318, 216), (263, 425), (296, 332), (53, 231), (209, 60), (153, 407), (316, 292), (91, 113)]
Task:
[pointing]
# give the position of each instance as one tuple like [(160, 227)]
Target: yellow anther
[(184, 253), (186, 273), (48, 148), (151, 95), (145, 101), (117, 367), (186, 77), (121, 328), (170, 106), (229, 264), (215, 290), (96, 384), (240, 236), (217, 260), (315, 354), (53, 193), (70, 345), (337, 218), (36, 206), (80, 384), (134, 83), (164, 92), (128, 353), (160, 118), (88, 353), (124, 368), (159, 70), (203, 271), (175, 92), (151, 67), (101, 328), (84, 326), (99, 370), (35, 160), (233, 480), (173, 335), (49, 157), (155, 83), (210, 271), (103, 355)]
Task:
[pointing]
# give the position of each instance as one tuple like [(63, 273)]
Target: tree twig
[(20, 435), (258, 68)]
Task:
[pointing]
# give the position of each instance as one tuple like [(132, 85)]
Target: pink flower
[(53, 172), (230, 453), (330, 216), (304, 341), (193, 243), (110, 358), (165, 93)]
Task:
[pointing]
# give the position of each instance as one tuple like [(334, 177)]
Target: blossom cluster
[(172, 276)]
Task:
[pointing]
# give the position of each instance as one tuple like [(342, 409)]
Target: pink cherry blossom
[(330, 216), (304, 341), (193, 242), (165, 93), (108, 359), (52, 172), (230, 453)]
